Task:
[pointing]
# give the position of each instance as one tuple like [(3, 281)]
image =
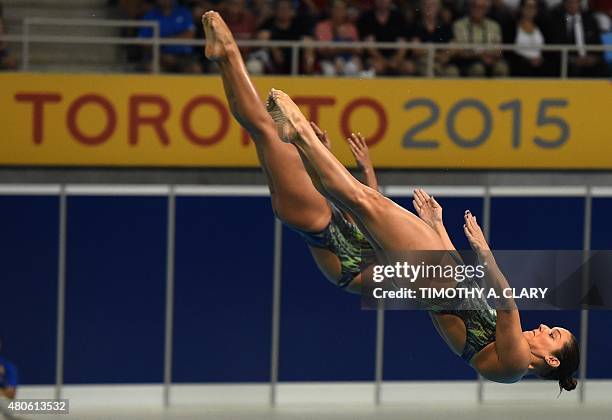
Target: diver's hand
[(360, 151), (322, 135), (474, 234), (427, 208)]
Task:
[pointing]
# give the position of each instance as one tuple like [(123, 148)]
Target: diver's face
[(544, 341)]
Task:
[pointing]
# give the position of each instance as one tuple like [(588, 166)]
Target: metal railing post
[(431, 53), (380, 344), (156, 49), (25, 45), (61, 294), (169, 316), (486, 224), (276, 313), (380, 348), (584, 313), (564, 60), (295, 59)]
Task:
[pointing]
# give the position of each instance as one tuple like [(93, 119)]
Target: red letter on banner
[(111, 119), (186, 120), (38, 101), (136, 120), (313, 103), (376, 107)]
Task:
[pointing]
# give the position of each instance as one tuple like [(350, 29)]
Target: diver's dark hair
[(569, 360)]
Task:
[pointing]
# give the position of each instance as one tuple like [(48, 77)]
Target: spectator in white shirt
[(528, 60)]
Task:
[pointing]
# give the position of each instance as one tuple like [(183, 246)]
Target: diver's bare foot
[(218, 36), (291, 124)]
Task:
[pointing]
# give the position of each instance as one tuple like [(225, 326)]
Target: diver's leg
[(391, 227), (294, 198)]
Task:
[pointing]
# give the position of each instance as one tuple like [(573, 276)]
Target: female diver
[(339, 248), (308, 196)]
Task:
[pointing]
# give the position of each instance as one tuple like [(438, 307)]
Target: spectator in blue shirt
[(8, 379), (175, 21)]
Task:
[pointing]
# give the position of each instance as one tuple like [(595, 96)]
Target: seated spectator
[(570, 25), (262, 10), (430, 28), (134, 9), (476, 28), (8, 379), (528, 60), (283, 26), (7, 61), (502, 14), (602, 10), (175, 21), (338, 61), (451, 10), (384, 24), (239, 19)]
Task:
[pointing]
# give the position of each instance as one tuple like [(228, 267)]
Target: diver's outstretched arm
[(511, 358)]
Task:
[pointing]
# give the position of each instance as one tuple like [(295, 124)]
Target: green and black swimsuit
[(346, 241), (479, 318), (480, 321)]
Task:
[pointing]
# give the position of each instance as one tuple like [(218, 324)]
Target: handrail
[(117, 23), (51, 39), (156, 42)]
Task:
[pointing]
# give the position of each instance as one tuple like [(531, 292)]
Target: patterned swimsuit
[(480, 321), (346, 241)]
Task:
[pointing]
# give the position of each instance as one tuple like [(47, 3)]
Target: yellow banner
[(142, 120)]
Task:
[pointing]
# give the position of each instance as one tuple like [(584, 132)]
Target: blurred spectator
[(528, 60), (451, 10), (338, 61), (513, 5), (7, 61), (569, 25), (283, 26), (476, 28), (175, 21), (239, 18), (314, 8), (262, 9), (134, 9), (603, 13), (8, 378), (430, 28), (503, 15), (384, 24)]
